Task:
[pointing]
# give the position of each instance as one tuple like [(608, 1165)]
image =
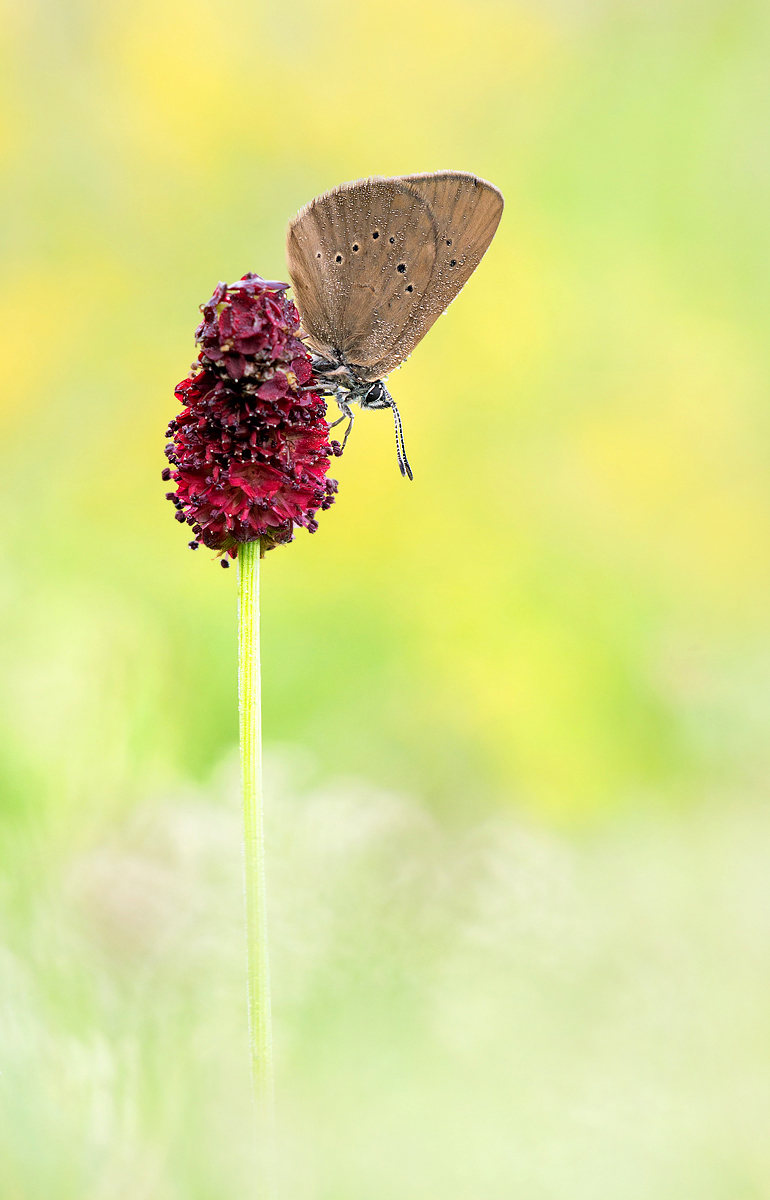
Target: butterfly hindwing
[(467, 211)]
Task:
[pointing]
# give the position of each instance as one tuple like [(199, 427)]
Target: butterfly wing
[(358, 258), (467, 211), (375, 262)]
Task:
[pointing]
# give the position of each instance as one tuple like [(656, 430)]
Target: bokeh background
[(517, 713)]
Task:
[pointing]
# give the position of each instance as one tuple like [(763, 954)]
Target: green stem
[(250, 708)]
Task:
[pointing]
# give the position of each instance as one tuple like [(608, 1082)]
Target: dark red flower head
[(250, 449)]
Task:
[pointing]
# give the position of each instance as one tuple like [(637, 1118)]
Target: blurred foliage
[(563, 618), (489, 1012)]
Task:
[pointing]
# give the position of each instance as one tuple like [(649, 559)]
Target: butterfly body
[(340, 375), (373, 264)]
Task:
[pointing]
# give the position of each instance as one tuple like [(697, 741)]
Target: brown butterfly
[(373, 264)]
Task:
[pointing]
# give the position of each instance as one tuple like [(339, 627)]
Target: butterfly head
[(376, 396)]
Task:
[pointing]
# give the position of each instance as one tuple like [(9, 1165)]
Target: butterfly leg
[(347, 413), (347, 431)]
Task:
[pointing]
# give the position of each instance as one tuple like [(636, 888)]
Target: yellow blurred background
[(518, 711)]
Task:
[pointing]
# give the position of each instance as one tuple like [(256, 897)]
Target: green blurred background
[(517, 713)]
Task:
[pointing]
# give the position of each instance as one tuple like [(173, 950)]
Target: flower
[(250, 450)]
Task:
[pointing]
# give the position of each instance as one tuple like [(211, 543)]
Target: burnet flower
[(249, 454), (250, 451)]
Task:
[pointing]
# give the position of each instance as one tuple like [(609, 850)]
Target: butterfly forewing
[(359, 257), (467, 211)]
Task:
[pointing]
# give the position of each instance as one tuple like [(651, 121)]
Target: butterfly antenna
[(403, 461)]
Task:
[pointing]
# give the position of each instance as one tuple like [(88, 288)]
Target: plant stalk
[(258, 971)]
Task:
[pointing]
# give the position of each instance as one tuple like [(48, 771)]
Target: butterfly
[(373, 263)]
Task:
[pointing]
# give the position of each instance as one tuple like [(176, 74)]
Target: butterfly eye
[(376, 234), (402, 268)]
